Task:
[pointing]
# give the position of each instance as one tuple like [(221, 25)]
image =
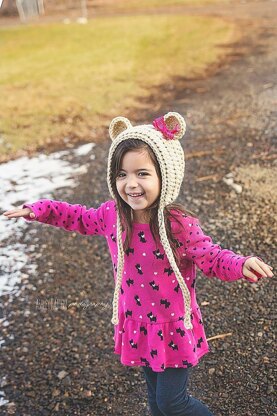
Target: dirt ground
[(230, 183)]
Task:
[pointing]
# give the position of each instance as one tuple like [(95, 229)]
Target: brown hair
[(125, 211)]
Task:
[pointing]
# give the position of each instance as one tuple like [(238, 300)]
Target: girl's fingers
[(260, 270), (251, 276), (18, 212), (8, 212), (264, 267), (11, 211), (12, 214)]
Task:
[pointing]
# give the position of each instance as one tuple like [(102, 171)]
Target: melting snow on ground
[(29, 179)]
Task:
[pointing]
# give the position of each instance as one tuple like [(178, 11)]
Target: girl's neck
[(140, 218)]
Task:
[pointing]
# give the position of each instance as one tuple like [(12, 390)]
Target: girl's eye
[(121, 175)]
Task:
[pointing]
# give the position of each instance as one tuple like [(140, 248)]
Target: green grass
[(58, 80)]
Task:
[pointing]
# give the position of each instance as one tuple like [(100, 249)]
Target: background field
[(57, 79)]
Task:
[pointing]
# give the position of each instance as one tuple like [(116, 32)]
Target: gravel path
[(61, 359)]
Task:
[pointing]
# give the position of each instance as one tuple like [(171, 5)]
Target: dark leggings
[(167, 394)]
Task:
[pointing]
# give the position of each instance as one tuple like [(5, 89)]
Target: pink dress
[(151, 329)]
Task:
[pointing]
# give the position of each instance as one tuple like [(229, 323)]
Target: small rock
[(56, 393), (270, 389), (62, 374)]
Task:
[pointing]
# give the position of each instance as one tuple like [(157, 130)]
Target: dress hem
[(139, 364)]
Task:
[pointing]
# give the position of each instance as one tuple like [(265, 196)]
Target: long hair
[(125, 211)]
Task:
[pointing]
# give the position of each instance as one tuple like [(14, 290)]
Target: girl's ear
[(175, 121), (118, 125)]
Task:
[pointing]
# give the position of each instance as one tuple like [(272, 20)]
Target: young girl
[(155, 246)]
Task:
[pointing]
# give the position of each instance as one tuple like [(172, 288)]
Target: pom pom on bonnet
[(163, 137)]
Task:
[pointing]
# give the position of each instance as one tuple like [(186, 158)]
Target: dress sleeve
[(211, 259), (70, 217)]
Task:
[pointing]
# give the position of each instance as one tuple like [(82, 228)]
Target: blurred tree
[(8, 8)]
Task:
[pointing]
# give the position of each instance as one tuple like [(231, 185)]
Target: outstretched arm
[(218, 262), (64, 215)]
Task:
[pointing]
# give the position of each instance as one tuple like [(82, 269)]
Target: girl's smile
[(138, 183)]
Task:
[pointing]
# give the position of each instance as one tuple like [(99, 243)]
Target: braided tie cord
[(183, 286), (119, 271)]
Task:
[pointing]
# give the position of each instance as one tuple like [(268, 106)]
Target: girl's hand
[(19, 212), (254, 269)]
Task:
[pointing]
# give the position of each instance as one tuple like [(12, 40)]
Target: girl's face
[(137, 175)]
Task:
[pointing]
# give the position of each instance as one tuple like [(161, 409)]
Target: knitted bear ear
[(175, 121), (118, 125)]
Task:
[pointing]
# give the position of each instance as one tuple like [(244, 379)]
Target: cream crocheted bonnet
[(163, 138)]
